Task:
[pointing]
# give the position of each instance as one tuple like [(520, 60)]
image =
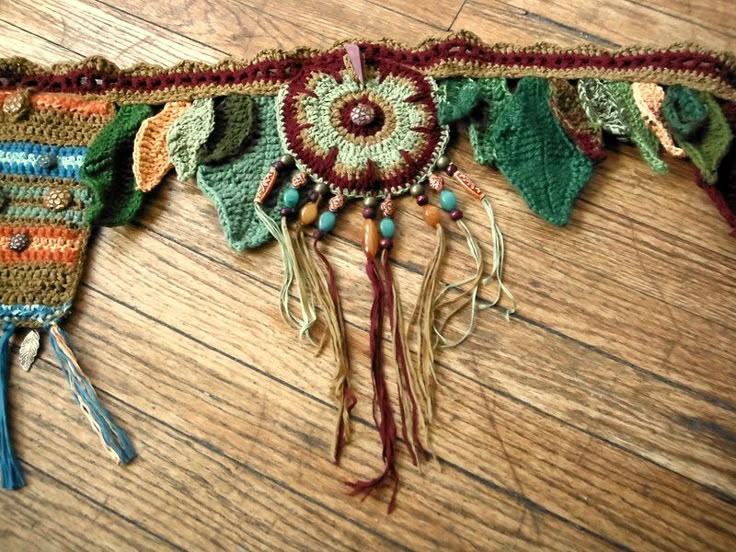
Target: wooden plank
[(605, 22), (180, 487), (551, 362), (48, 515), (583, 472), (260, 422), (700, 13)]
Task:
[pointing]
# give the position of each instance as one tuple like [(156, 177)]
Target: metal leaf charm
[(29, 349)]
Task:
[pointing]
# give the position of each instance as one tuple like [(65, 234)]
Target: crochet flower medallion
[(284, 143)]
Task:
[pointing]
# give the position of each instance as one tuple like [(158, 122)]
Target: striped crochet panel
[(43, 227)]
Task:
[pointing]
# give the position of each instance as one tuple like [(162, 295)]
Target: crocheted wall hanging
[(283, 143)]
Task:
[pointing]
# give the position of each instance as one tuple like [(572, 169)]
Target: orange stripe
[(68, 102), (46, 244), (7, 231)]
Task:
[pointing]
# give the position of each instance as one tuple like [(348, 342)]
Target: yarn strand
[(382, 412), (12, 474), (342, 392), (113, 437)]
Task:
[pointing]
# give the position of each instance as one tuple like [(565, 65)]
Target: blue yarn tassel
[(113, 437), (11, 472)]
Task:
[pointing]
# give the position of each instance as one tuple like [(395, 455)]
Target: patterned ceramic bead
[(336, 203), (387, 207)]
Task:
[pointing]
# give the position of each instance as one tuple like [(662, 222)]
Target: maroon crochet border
[(98, 76)]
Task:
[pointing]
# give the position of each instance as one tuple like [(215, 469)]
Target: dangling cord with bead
[(444, 164), (382, 411), (422, 318), (411, 414), (291, 271), (330, 304), (470, 285)]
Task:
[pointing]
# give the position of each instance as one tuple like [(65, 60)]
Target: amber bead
[(371, 237), (432, 215), (308, 214)]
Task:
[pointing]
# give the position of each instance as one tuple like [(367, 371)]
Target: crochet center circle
[(376, 137)]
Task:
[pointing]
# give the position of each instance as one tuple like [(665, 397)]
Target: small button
[(47, 160), (57, 199), (19, 242)]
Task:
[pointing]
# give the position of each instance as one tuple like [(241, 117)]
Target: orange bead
[(432, 215), (371, 238), (308, 214)]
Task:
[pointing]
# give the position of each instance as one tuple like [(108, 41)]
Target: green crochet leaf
[(699, 127), (533, 151), (233, 124), (232, 185), (685, 111), (602, 107), (189, 134), (646, 141), (458, 97), (108, 168), (493, 94)]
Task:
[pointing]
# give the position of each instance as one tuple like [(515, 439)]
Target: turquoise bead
[(388, 228), (327, 221), (291, 197), (448, 200)]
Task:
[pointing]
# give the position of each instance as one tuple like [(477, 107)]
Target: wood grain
[(603, 416)]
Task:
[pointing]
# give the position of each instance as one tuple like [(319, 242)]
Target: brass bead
[(442, 163), (321, 188), (416, 190), (287, 160), (370, 201)]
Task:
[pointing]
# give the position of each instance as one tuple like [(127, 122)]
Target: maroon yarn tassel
[(348, 395), (382, 412), (401, 362)]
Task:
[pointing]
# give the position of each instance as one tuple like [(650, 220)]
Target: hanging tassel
[(329, 301), (470, 285), (112, 436), (382, 412), (411, 414), (292, 270), (443, 163), (12, 475), (498, 260), (422, 319)]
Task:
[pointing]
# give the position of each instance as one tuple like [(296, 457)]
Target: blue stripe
[(43, 314), (22, 158)]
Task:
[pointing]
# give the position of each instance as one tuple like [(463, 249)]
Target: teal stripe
[(16, 212)]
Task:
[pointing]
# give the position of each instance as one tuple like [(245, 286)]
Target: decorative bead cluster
[(362, 114), (57, 199), (387, 226), (47, 160), (19, 242)]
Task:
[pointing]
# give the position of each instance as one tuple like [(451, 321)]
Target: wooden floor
[(603, 416)]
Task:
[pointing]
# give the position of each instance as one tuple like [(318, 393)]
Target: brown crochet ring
[(362, 135)]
